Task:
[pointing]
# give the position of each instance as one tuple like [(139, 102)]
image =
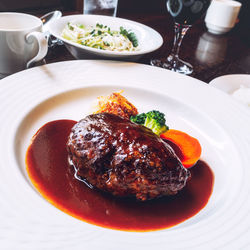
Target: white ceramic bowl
[(149, 39)]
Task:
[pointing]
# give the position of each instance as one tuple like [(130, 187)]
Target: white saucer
[(231, 83)]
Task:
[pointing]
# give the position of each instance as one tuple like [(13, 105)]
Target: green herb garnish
[(130, 35)]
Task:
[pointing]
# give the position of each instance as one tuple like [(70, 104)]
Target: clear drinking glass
[(185, 13), (100, 7)]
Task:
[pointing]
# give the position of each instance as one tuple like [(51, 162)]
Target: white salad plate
[(148, 39), (67, 90), (237, 86)]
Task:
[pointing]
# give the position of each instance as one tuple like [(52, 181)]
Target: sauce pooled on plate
[(49, 171)]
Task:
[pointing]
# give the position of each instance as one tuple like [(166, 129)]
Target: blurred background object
[(100, 7), (211, 49)]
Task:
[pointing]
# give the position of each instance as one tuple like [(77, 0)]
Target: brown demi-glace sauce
[(49, 171)]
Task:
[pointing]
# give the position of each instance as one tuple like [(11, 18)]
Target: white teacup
[(21, 42), (222, 15)]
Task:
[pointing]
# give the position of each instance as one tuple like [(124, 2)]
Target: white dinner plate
[(67, 90)]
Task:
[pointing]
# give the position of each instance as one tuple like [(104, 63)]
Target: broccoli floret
[(154, 120), (139, 119)]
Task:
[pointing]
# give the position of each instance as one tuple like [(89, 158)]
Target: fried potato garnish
[(116, 104)]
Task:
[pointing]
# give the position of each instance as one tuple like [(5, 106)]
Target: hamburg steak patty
[(123, 158)]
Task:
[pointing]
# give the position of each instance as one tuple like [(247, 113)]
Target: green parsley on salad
[(101, 37)]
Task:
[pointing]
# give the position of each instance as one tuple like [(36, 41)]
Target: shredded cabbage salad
[(101, 37)]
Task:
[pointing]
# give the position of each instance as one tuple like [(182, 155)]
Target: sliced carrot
[(189, 146)]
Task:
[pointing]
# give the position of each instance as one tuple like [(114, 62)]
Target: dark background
[(124, 6), (72, 5)]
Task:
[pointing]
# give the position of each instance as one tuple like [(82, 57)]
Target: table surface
[(211, 55)]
